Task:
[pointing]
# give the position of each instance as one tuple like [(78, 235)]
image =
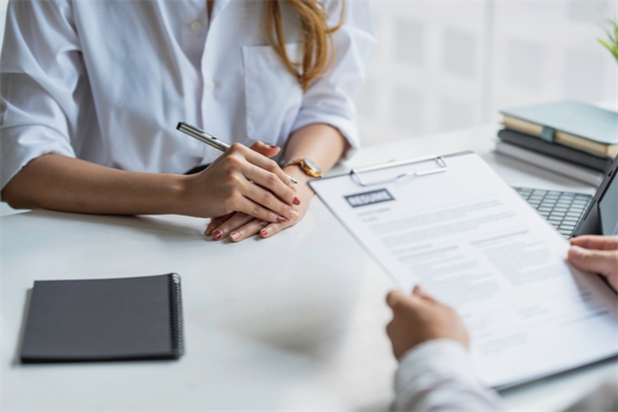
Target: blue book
[(571, 123)]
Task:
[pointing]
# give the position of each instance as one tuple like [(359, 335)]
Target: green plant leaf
[(612, 43)]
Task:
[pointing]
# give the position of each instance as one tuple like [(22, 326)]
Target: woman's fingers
[(263, 172), (262, 162), (249, 229), (271, 229), (219, 189), (225, 228), (265, 199), (596, 242), (257, 203), (274, 228), (216, 222), (249, 207), (265, 149), (271, 182)]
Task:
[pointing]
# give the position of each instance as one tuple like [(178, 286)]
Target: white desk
[(293, 322)]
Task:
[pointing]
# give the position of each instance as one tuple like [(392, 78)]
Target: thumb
[(421, 293), (265, 149), (604, 262), (393, 298)]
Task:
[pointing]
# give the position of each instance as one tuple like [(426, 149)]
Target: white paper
[(477, 246)]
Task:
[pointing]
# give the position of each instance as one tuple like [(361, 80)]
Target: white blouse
[(107, 81)]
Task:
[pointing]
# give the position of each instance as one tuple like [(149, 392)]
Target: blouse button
[(196, 26), (210, 86)]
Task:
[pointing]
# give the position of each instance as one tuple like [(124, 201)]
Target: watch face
[(312, 165)]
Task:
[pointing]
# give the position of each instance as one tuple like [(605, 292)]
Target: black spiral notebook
[(93, 320)]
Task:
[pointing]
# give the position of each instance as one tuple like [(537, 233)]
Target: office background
[(442, 66), (439, 66), (446, 65)]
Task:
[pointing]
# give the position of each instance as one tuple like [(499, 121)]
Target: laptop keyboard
[(562, 209)]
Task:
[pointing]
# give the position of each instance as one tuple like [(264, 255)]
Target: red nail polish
[(281, 219), (217, 234), (264, 232), (272, 146), (296, 201)]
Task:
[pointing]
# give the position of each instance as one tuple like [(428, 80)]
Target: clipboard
[(450, 223), (438, 164), (357, 172)]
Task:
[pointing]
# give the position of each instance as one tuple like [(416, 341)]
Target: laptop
[(575, 214)]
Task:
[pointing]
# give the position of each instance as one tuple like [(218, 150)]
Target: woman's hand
[(418, 318), (597, 254), (321, 143), (239, 226), (242, 180)]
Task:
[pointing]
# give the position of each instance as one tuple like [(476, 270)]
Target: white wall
[(446, 65)]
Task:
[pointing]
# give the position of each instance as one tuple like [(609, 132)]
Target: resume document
[(476, 245)]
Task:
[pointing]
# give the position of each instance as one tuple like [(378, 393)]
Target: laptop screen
[(608, 207), (601, 217)]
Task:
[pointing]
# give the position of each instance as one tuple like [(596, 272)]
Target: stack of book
[(574, 139)]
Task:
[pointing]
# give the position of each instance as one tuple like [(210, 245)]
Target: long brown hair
[(316, 37)]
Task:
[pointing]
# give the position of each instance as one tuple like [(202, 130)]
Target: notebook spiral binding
[(176, 315)]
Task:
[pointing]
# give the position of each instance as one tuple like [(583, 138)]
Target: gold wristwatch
[(307, 166)]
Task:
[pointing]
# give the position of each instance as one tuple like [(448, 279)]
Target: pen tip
[(178, 125)]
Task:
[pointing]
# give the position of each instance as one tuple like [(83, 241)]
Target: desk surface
[(292, 322)]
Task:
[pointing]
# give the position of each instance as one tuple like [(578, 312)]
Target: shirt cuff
[(438, 375), (438, 357)]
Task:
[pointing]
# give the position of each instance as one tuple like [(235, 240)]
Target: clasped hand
[(239, 226), (242, 180)]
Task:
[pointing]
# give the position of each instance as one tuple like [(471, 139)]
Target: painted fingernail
[(272, 146), (293, 214), (281, 219), (217, 234), (264, 232), (234, 235), (296, 201)]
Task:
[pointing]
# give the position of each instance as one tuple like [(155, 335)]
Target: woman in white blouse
[(92, 92)]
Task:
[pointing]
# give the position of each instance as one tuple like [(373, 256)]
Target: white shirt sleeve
[(330, 98), (437, 376), (95, 80), (40, 71)]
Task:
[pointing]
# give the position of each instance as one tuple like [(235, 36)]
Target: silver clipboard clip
[(356, 173)]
